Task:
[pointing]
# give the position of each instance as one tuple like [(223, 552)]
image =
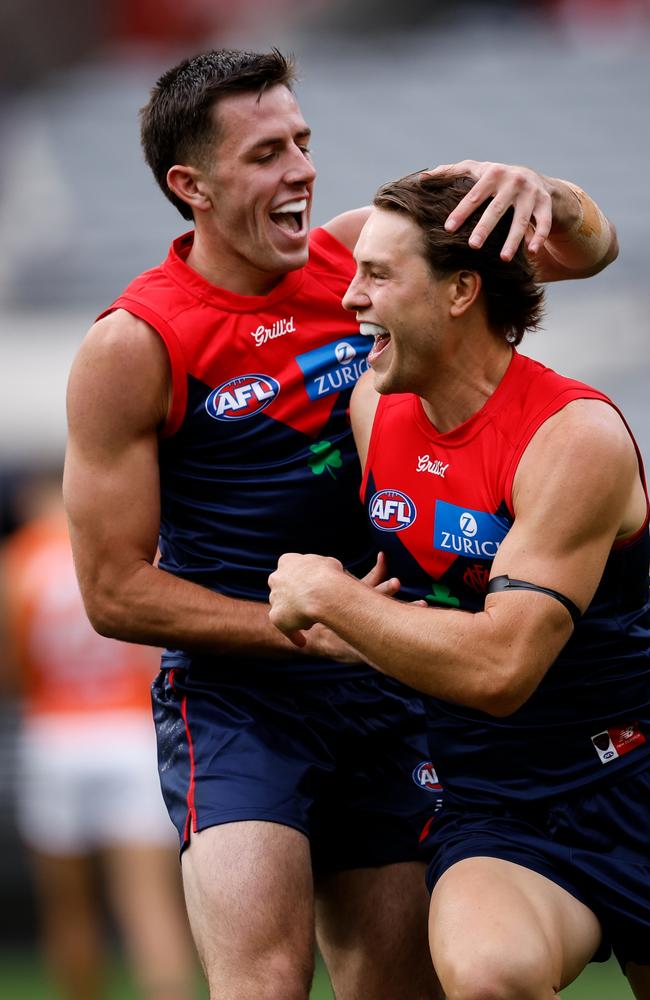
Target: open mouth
[(290, 217), (382, 339)]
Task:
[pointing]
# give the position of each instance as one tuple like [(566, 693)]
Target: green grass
[(22, 978)]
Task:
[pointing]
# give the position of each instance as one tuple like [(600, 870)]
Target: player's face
[(260, 184), (399, 302)]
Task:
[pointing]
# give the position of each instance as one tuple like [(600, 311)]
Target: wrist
[(581, 236)]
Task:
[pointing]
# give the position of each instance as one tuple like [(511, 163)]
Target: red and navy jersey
[(441, 505), (257, 457)]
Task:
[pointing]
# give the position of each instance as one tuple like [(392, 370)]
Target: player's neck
[(232, 273), (465, 379)]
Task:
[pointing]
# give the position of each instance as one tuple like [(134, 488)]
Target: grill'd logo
[(242, 397)]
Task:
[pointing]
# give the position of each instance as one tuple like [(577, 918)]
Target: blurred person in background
[(88, 797), (208, 406)]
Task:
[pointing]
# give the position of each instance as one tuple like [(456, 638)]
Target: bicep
[(116, 398), (572, 492)]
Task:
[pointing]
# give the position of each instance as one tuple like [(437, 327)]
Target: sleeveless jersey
[(441, 504), (66, 667), (257, 456)]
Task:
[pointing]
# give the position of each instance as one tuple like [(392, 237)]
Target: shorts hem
[(197, 825)]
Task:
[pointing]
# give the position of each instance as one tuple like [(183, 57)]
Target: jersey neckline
[(469, 428), (178, 269)]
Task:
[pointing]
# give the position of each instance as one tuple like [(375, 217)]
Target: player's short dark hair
[(513, 297), (177, 124)]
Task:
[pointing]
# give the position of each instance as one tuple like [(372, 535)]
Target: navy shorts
[(345, 761), (595, 845)]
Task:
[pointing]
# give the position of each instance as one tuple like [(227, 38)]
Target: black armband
[(499, 583)]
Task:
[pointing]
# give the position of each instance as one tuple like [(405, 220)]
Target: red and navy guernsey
[(257, 456), (441, 505)]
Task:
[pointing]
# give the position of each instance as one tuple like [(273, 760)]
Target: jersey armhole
[(557, 404), (174, 352)]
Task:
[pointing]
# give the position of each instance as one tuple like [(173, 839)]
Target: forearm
[(470, 659), (150, 606), (582, 241)]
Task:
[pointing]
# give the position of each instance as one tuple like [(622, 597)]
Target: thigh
[(504, 924), (372, 932), (249, 894)]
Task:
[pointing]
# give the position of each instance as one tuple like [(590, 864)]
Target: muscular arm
[(117, 401), (576, 490)]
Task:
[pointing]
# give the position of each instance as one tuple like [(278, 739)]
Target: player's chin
[(291, 258)]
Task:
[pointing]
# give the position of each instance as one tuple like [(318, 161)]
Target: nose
[(355, 298), (301, 169)]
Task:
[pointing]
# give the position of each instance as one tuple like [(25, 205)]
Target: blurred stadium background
[(561, 85)]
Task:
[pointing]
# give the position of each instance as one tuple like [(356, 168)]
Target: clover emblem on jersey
[(391, 510), (441, 594), (242, 397), (326, 457)]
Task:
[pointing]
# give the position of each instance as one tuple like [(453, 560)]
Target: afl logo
[(344, 352), (242, 397), (468, 524), (390, 510), (426, 777)]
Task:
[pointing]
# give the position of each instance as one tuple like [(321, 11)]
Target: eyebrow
[(304, 133)]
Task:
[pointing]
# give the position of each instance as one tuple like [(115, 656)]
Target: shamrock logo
[(326, 457), (440, 594)]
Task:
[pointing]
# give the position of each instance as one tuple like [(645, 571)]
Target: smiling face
[(399, 301), (258, 181)]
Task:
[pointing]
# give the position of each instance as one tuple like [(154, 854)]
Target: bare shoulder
[(582, 461), (586, 430), (347, 226), (121, 368)]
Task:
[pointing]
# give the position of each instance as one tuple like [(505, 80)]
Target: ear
[(464, 290), (187, 184)]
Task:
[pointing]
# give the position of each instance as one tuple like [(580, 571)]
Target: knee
[(497, 977)]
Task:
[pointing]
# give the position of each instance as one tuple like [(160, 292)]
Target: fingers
[(516, 187), (378, 572), (376, 578), (297, 638), (389, 587)]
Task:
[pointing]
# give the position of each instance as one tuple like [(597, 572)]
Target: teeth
[(371, 330), (291, 206)]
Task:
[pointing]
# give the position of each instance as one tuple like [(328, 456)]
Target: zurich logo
[(426, 777), (242, 397), (390, 510), (344, 352), (468, 524)]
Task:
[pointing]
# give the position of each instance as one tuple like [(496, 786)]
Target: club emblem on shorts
[(242, 397), (426, 776), (391, 510), (613, 743)]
